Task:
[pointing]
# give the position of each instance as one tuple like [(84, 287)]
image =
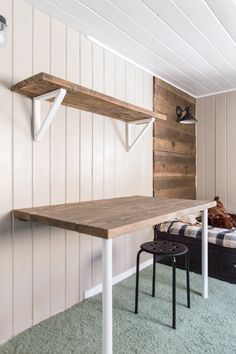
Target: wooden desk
[(110, 218)]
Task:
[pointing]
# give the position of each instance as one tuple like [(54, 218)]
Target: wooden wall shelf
[(83, 98), (47, 87)]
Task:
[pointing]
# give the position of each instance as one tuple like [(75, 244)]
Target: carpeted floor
[(208, 327)]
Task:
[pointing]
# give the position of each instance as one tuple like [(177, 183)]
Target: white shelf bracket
[(147, 122), (40, 127)]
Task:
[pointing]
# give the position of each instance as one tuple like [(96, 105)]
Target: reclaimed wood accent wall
[(174, 147)]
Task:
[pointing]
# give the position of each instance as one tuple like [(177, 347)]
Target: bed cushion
[(218, 236)]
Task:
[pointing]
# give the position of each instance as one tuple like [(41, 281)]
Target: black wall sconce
[(186, 118)]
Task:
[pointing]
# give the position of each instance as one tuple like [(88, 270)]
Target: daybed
[(221, 242)]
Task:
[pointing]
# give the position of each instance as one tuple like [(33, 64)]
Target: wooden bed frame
[(222, 260)]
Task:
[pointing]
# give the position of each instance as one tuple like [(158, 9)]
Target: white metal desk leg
[(205, 253), (107, 296)]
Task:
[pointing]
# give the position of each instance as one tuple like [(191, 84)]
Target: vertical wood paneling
[(6, 269), (22, 168), (82, 157), (148, 142), (139, 172), (130, 164), (58, 67), (230, 149), (147, 152), (85, 165), (216, 161), (98, 158), (41, 181), (120, 130), (109, 138), (209, 143), (120, 156), (200, 157), (72, 168), (109, 128), (220, 147)]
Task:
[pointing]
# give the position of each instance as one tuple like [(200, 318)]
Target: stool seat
[(164, 248)]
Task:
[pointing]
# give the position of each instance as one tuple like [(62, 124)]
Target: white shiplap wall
[(82, 157), (216, 146)]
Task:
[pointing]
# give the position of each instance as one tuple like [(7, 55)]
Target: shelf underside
[(83, 98)]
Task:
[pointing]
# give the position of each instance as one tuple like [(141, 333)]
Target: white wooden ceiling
[(189, 43)]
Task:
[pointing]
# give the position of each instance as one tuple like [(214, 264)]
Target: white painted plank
[(221, 153), (200, 155), (138, 168), (147, 152), (109, 128), (22, 167), (180, 53), (6, 269), (231, 148), (85, 165), (41, 178), (72, 168), (224, 14), (131, 177), (209, 115), (127, 25), (108, 33), (120, 156), (98, 158), (110, 138), (196, 64), (207, 23), (169, 11), (58, 68)]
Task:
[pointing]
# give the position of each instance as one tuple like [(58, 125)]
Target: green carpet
[(208, 327)]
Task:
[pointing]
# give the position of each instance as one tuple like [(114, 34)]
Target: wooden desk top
[(109, 218)]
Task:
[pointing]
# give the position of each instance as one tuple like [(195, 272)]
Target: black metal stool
[(160, 249)]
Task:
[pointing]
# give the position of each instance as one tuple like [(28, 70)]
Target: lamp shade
[(187, 118), (3, 30)]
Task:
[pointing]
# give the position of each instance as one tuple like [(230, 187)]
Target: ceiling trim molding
[(216, 93)]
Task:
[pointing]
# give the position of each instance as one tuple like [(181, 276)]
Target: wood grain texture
[(109, 218), (174, 145), (83, 98)]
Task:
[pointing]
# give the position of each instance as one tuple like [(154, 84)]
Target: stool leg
[(154, 276), (137, 281), (173, 292), (187, 278)]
